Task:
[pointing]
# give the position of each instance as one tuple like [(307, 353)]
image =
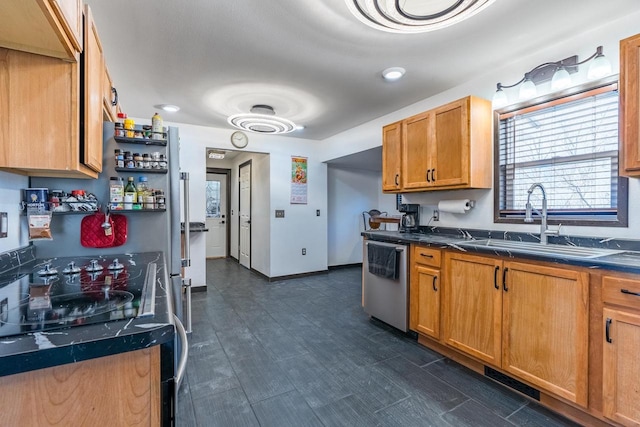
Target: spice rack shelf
[(142, 141), (137, 210), (143, 170)]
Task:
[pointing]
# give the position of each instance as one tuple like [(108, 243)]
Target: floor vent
[(513, 383)]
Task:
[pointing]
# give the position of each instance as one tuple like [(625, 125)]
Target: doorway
[(244, 217), (217, 192)]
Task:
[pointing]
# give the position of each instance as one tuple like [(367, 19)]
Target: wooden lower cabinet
[(621, 367), (118, 390), (425, 301), (545, 328), (526, 319), (472, 306)]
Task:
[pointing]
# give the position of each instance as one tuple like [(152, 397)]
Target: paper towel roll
[(455, 206)]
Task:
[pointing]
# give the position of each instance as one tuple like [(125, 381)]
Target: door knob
[(222, 222)]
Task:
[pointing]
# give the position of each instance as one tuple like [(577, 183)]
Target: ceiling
[(312, 61)]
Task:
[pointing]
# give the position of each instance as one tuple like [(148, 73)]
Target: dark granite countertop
[(38, 350), (195, 227), (626, 261)]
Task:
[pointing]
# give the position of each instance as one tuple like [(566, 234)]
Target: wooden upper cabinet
[(449, 147), (391, 157), (545, 332), (416, 152), (109, 98), (46, 27), (53, 121), (629, 87), (93, 58)]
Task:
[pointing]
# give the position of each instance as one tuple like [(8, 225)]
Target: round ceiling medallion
[(414, 16)]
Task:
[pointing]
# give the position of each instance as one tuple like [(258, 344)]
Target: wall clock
[(239, 139)]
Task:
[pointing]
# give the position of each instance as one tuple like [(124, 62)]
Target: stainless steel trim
[(149, 292), (184, 176), (186, 284), (184, 353)]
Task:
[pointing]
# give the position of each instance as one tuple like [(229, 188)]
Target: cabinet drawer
[(427, 256), (621, 291)]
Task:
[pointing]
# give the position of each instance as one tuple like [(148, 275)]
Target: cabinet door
[(93, 94), (472, 306), (451, 154), (630, 106), (391, 156), (69, 13), (39, 135), (44, 27), (425, 301), (108, 98), (621, 367), (545, 328), (417, 132)]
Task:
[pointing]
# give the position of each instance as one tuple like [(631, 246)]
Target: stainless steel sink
[(539, 249)]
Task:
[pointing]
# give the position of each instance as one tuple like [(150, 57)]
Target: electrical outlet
[(279, 213), (317, 212), (436, 215), (304, 251)]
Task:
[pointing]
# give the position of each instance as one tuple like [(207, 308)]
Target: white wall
[(11, 186), (285, 237), (369, 135), (350, 192)]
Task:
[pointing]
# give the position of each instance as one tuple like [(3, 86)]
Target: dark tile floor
[(302, 352)]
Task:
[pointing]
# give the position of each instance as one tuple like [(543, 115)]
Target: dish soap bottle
[(157, 132), (130, 194)]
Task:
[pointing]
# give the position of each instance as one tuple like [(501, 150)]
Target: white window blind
[(570, 145)]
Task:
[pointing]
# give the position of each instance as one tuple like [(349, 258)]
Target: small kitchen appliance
[(410, 222)]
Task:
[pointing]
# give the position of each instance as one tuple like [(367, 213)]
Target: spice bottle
[(156, 127), (129, 125), (116, 193), (146, 161), (119, 125), (137, 158), (143, 190)]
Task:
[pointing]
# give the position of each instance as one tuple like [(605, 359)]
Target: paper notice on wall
[(298, 180)]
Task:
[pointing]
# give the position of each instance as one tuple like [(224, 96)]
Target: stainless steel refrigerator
[(147, 230)]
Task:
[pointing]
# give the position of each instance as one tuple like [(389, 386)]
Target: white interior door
[(216, 221), (245, 216)]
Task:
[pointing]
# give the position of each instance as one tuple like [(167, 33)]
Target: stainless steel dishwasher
[(387, 298)]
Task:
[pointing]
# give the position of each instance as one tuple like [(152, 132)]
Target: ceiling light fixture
[(168, 108), (215, 154), (414, 16), (262, 119), (559, 72), (393, 73)]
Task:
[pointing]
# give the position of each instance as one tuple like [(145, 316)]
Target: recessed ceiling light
[(216, 154), (168, 107), (393, 73)]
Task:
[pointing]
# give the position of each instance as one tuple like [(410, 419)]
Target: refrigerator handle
[(184, 353), (186, 261)]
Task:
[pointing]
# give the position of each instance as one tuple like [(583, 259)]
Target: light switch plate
[(4, 224)]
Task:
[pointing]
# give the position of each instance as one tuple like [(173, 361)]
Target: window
[(569, 144), (213, 199)]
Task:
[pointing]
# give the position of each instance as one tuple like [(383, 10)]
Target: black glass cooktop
[(72, 291)]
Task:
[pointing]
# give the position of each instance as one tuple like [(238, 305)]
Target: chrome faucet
[(544, 231)]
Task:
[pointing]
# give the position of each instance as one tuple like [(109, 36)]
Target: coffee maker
[(410, 222)]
